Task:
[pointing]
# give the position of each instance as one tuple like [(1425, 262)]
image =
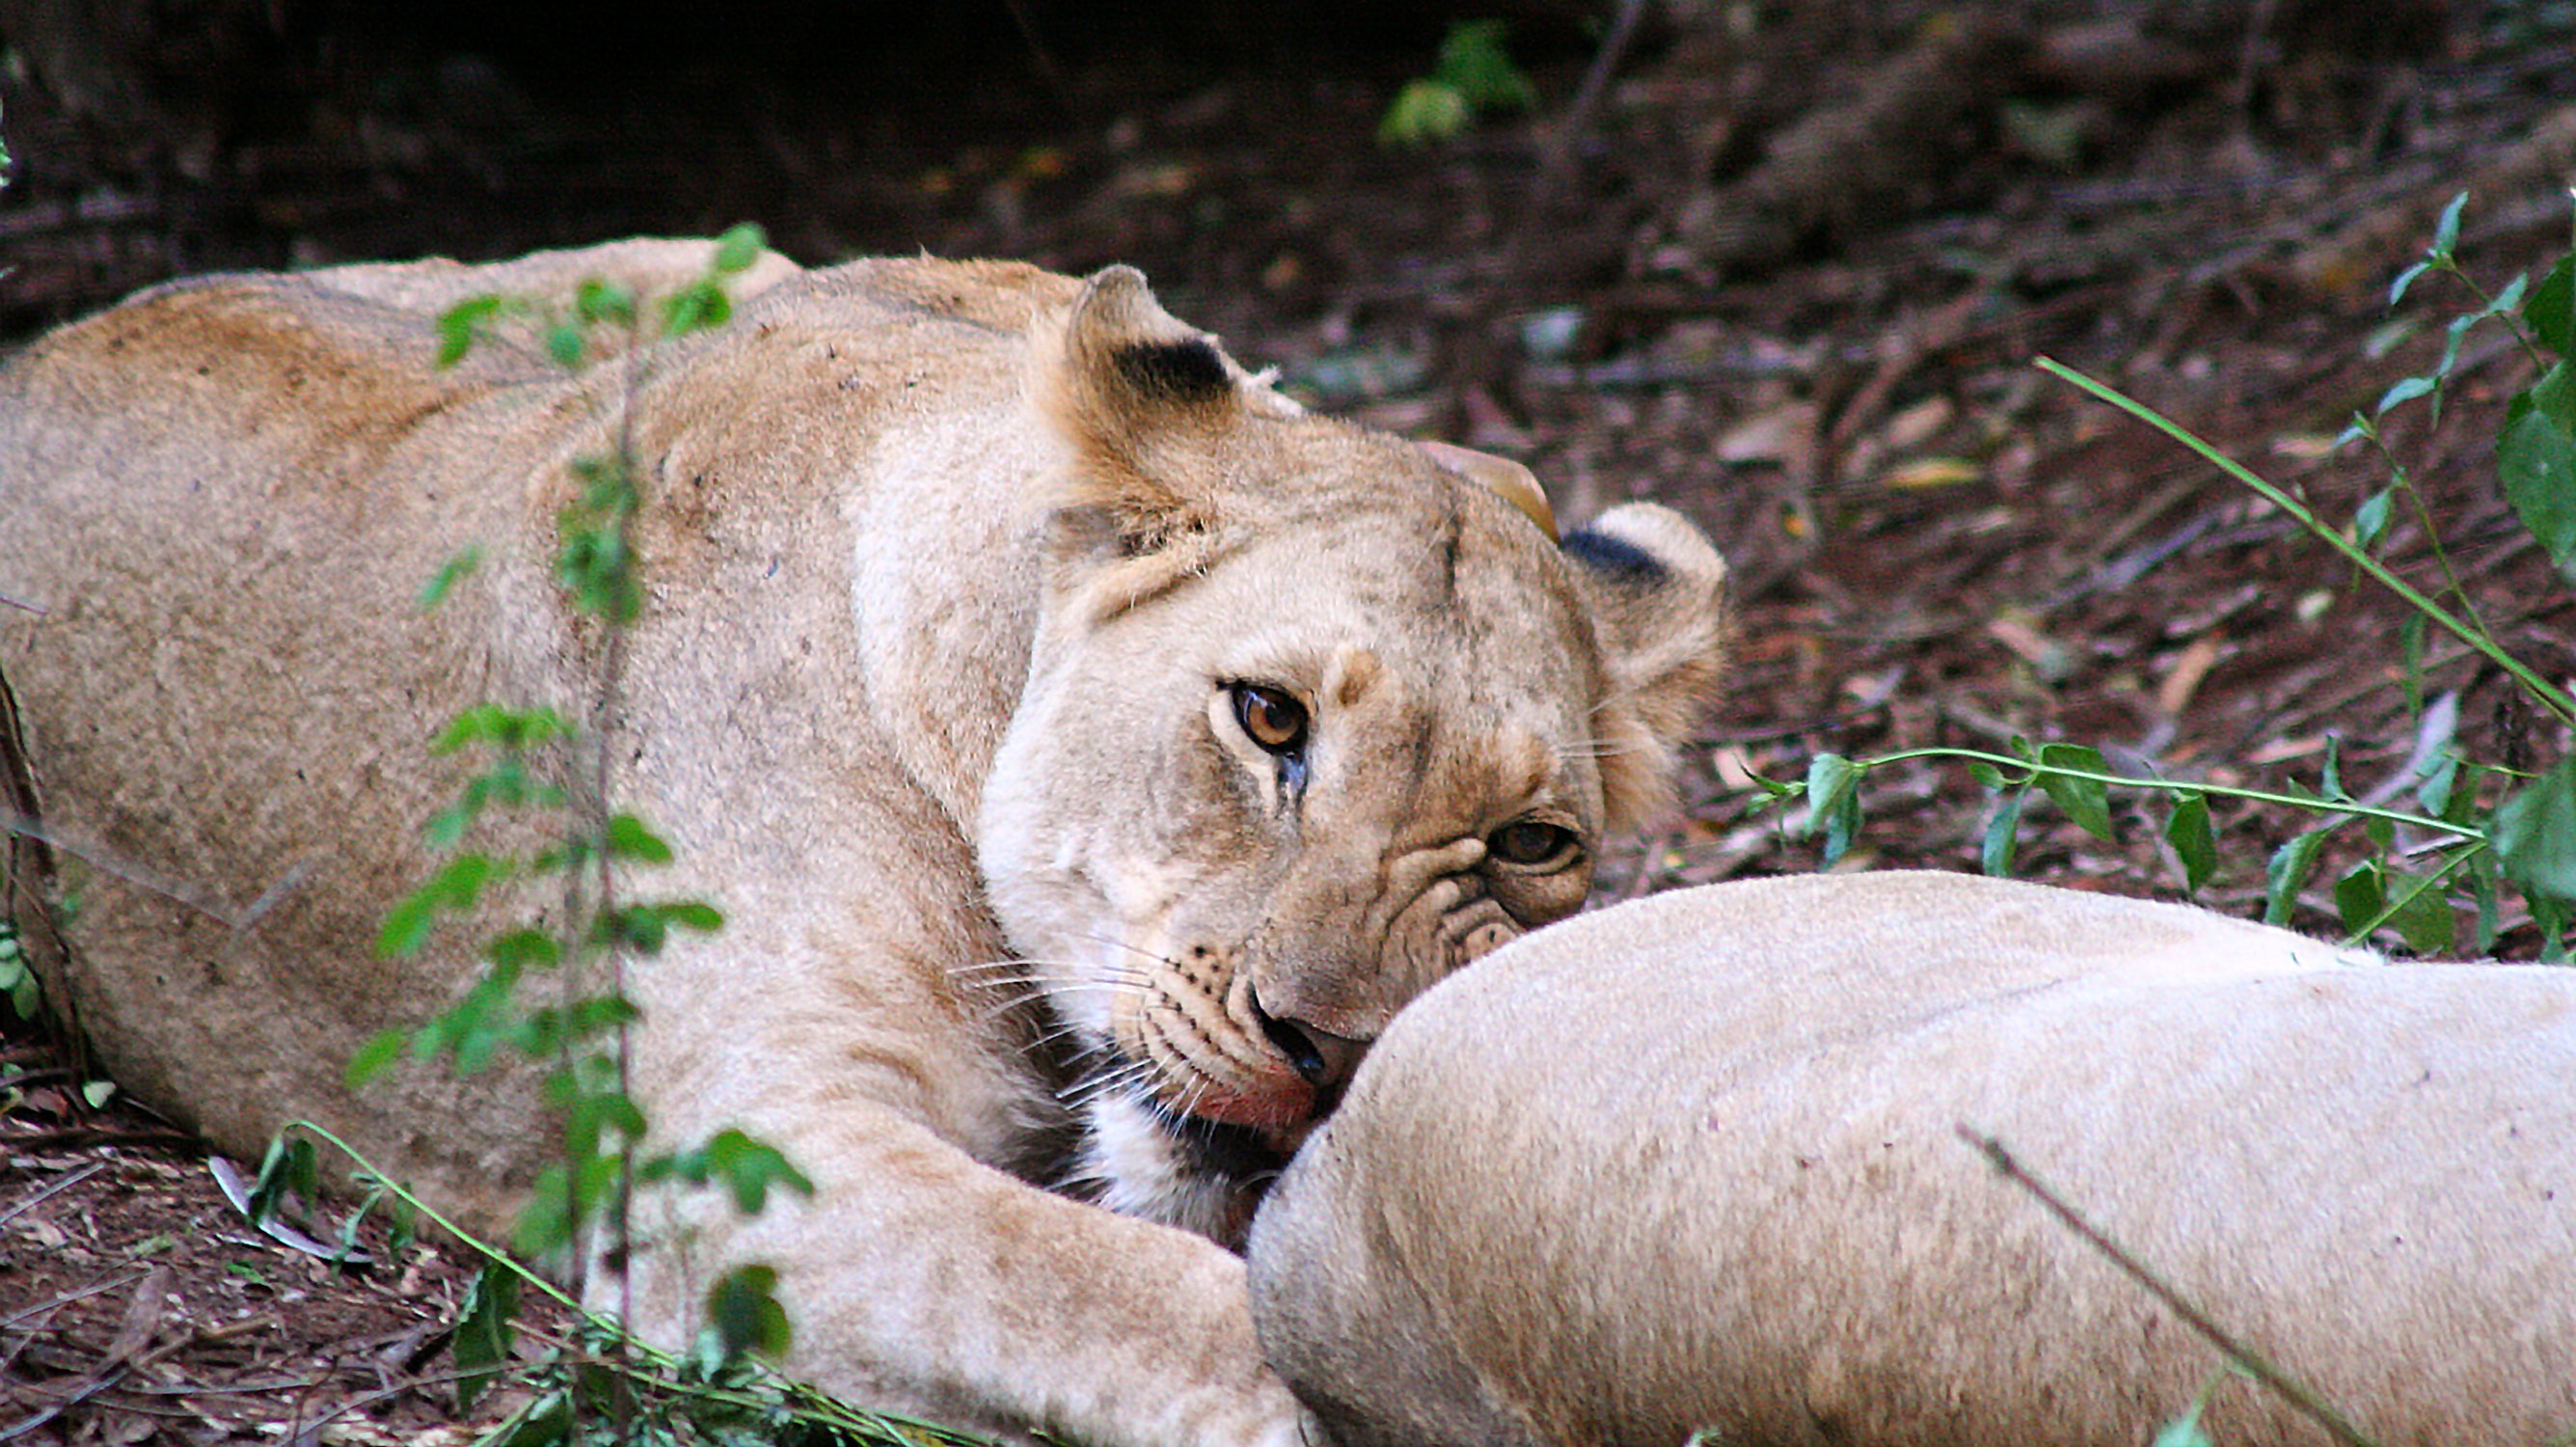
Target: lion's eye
[(1530, 842), (1270, 718)]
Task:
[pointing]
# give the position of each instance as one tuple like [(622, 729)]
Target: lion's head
[(1311, 721)]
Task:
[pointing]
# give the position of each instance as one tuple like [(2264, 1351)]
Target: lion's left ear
[(1139, 396), (1657, 591)]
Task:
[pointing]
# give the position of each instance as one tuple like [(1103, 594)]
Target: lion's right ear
[(1139, 397), (1657, 591)]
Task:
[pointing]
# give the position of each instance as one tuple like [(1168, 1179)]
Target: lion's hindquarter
[(218, 520), (224, 501)]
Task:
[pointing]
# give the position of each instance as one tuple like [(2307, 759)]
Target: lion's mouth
[(1222, 1148), (1279, 1083)]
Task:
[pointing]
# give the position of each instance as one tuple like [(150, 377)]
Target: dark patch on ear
[(1616, 559), (1188, 371)]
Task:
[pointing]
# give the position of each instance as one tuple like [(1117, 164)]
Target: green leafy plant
[(596, 1382), (536, 822), (17, 975), (1473, 75), (2490, 827)]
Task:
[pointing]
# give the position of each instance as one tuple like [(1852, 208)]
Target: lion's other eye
[(1530, 841), (1270, 718)]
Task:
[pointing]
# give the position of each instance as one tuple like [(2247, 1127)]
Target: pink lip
[(1286, 1105)]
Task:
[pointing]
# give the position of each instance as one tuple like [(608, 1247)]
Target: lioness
[(1693, 1164), (1091, 751)]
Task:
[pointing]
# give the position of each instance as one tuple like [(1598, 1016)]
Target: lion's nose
[(1323, 1059)]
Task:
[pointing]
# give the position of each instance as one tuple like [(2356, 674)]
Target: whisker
[(1115, 943), (1126, 1077)]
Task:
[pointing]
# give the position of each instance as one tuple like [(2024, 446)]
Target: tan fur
[(952, 570), (1690, 1164)]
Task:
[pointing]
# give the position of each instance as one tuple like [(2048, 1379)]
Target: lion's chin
[(1142, 1158)]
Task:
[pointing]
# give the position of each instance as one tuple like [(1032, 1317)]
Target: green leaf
[(694, 915), (2194, 842), (481, 1344), (2086, 801), (698, 307), (449, 574), (473, 1028), (1988, 777), (521, 949), (374, 1056), (629, 838), (739, 248), (2550, 310), (591, 1117), (2371, 519), (2286, 873), (547, 1422), (1474, 63), (2330, 775), (565, 343), (1423, 112), (2422, 915), (462, 324), (2405, 391), (290, 1168), (2405, 279), (2440, 774), (2360, 896), (2537, 460), (638, 927), (596, 302), (743, 1308), (2554, 393), (749, 1167), (2446, 232), (2549, 919), (2535, 834), (2506, 298), (456, 886), (1995, 851), (2485, 882), (489, 723), (1833, 803), (2463, 802)]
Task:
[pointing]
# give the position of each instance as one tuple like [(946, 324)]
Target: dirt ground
[(1786, 268)]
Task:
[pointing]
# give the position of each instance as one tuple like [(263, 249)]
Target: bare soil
[(1936, 543)]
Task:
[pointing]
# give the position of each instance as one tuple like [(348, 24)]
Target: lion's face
[(1287, 756)]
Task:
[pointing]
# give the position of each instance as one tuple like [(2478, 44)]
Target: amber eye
[(1530, 842), (1270, 718)]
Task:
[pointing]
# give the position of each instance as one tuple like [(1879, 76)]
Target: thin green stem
[(2181, 786), (2549, 694), (2290, 1389), (2432, 537)]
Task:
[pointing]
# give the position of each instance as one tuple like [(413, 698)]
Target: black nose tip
[(1323, 1060), (1298, 1046)]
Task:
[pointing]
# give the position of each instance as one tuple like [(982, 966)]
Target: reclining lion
[(1692, 1164), (1090, 750)]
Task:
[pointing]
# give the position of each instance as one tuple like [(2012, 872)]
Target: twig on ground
[(64, 1184)]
